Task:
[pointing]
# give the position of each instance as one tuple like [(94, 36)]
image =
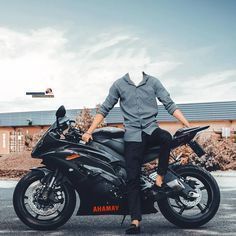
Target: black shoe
[(133, 229)]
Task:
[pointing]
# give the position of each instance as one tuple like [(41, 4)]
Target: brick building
[(15, 125)]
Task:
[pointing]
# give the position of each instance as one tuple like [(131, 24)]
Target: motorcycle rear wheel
[(174, 212)]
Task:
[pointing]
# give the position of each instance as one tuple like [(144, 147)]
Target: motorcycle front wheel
[(37, 213), (193, 213)]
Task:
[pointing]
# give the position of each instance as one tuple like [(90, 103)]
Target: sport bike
[(46, 198)]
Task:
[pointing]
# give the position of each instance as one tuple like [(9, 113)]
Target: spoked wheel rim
[(43, 211), (190, 210)]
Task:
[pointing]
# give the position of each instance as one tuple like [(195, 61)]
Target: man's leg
[(164, 139), (133, 156)]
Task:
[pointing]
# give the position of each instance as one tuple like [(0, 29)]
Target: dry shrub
[(28, 141), (85, 119), (12, 174), (37, 137), (31, 140), (220, 153)]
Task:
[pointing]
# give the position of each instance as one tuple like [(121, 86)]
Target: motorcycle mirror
[(61, 111)]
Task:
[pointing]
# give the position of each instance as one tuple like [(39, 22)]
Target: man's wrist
[(88, 133)]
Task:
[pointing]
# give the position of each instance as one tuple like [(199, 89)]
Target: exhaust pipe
[(173, 182), (176, 185)]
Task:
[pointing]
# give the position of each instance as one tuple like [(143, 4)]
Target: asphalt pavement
[(224, 223)]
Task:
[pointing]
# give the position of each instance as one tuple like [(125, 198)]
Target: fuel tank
[(111, 137)]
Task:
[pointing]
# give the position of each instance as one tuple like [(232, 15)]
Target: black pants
[(134, 152)]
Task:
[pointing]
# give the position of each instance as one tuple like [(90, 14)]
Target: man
[(139, 108)]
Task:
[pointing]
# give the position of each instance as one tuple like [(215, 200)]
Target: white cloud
[(37, 59), (162, 67), (213, 86)]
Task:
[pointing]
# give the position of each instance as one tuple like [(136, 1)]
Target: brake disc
[(38, 208), (192, 203)]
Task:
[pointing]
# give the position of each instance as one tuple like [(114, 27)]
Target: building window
[(4, 140)]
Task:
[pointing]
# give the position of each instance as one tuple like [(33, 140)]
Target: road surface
[(224, 222)]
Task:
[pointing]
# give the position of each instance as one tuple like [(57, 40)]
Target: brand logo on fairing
[(110, 208)]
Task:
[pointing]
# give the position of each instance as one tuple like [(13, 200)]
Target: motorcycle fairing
[(104, 198)]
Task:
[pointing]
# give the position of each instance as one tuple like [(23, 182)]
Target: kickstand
[(123, 220)]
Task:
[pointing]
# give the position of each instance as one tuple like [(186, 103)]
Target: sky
[(79, 48)]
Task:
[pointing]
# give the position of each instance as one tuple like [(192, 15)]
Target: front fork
[(49, 185)]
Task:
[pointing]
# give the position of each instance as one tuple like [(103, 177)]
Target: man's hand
[(179, 115), (88, 134), (86, 137)]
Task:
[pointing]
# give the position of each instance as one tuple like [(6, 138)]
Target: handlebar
[(74, 133)]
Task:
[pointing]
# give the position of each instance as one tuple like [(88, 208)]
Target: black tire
[(170, 214), (39, 224)]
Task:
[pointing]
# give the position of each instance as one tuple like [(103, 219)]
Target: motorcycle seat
[(113, 137)]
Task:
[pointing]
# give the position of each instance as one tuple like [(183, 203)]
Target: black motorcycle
[(45, 198)]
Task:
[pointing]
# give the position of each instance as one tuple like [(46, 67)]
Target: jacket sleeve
[(164, 97), (110, 101)]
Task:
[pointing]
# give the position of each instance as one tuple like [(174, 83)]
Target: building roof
[(192, 111)]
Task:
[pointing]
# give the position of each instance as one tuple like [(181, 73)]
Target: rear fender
[(196, 147), (185, 136)]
